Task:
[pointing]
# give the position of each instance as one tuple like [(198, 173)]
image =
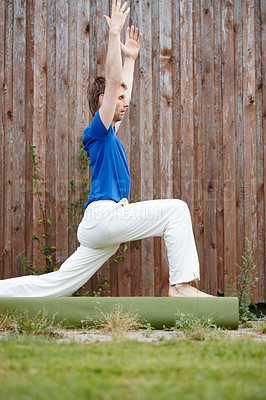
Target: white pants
[(104, 226)]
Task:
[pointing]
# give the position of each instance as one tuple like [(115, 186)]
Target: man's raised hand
[(118, 16), (132, 44)]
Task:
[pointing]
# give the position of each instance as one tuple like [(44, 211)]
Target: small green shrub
[(40, 324), (244, 282), (148, 330), (262, 328), (79, 190), (135, 198), (196, 328), (102, 288), (47, 249)]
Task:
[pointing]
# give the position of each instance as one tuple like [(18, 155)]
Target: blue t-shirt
[(110, 179)]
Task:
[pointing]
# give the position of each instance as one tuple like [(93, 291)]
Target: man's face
[(121, 105)]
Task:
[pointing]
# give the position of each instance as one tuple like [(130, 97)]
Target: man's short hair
[(95, 89)]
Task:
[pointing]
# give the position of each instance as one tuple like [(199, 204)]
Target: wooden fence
[(196, 130)]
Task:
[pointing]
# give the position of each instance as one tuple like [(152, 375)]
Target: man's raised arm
[(131, 50), (113, 68)]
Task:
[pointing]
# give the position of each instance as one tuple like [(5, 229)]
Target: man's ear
[(101, 99)]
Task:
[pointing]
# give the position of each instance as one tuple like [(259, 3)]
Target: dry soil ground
[(158, 336)]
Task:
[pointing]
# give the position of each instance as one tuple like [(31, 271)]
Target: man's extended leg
[(74, 273)]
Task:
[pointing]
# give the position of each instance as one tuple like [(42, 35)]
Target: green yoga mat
[(158, 311)]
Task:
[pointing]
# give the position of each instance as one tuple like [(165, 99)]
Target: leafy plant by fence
[(244, 282), (79, 190), (47, 249)]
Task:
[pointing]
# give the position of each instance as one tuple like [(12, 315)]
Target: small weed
[(80, 191), (246, 324), (244, 282), (40, 324), (102, 288), (29, 268), (5, 323), (196, 328), (148, 330), (116, 323), (135, 198), (79, 197), (188, 321), (203, 334), (245, 313), (82, 159), (42, 240), (262, 328), (120, 256)]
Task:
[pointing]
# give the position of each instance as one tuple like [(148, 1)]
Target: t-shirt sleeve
[(96, 130)]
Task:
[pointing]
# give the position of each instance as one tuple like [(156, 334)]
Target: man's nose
[(126, 104)]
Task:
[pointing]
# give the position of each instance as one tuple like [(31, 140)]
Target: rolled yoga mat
[(158, 311)]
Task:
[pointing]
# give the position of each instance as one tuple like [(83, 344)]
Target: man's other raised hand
[(132, 45)]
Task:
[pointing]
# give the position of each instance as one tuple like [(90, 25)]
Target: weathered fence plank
[(209, 274), (29, 104), (8, 265), (229, 138), (82, 111), (146, 143), (166, 120), (19, 148), (186, 79), (72, 107), (250, 132), (50, 156), (62, 135), (2, 102), (263, 66), (40, 123), (218, 129), (239, 126), (260, 152), (135, 160), (157, 193), (198, 217)]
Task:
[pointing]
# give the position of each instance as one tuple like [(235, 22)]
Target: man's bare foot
[(185, 290)]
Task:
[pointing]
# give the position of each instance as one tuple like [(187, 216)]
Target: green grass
[(35, 368)]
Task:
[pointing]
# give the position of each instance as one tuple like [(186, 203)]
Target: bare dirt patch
[(158, 336)]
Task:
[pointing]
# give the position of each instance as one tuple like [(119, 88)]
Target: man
[(109, 219)]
